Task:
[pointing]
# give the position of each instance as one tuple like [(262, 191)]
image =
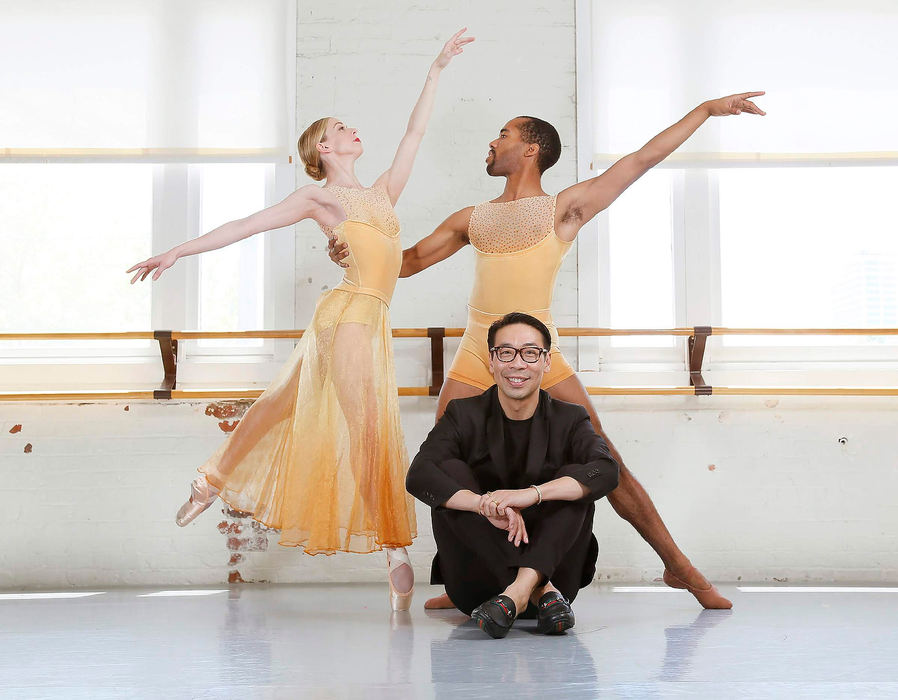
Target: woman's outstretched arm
[(396, 177), (305, 202)]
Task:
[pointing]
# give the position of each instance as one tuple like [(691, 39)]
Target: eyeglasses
[(529, 354)]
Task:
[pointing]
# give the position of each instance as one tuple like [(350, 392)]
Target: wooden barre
[(198, 394), (696, 343), (575, 331)]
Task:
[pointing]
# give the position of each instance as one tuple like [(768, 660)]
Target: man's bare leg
[(521, 589), (452, 389), (631, 502)]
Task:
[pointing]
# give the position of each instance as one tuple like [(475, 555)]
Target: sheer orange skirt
[(320, 455)]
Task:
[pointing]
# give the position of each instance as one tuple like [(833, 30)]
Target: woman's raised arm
[(396, 177)]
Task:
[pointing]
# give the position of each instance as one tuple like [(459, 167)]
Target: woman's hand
[(452, 48), (734, 104), (160, 263)]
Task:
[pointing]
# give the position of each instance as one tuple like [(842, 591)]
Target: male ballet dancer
[(520, 239)]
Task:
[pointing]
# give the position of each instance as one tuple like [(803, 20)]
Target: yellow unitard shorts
[(471, 363)]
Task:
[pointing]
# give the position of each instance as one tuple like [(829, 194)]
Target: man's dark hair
[(543, 134), (518, 317)]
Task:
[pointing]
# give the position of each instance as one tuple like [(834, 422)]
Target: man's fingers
[(757, 93)]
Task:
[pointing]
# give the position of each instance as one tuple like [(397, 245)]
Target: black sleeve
[(591, 462), (426, 481)]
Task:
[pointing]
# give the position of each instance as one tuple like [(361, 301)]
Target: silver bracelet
[(539, 494)]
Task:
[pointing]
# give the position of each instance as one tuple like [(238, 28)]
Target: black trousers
[(475, 560)]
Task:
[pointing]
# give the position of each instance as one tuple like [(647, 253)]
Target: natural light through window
[(809, 247), (642, 260), (69, 232), (232, 278)]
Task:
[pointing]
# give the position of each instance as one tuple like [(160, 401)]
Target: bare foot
[(540, 591), (691, 579), (441, 602)]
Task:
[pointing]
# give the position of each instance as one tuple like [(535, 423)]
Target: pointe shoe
[(202, 495), (395, 559), (709, 597)]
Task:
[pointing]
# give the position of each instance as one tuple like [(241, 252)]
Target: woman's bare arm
[(306, 202)]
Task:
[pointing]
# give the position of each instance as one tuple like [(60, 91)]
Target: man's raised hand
[(735, 104)]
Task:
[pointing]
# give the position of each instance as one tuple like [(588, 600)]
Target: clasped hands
[(503, 510)]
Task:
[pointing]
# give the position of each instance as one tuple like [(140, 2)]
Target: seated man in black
[(511, 476)]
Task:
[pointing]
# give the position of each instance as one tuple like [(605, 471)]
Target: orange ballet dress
[(320, 455), (518, 258)]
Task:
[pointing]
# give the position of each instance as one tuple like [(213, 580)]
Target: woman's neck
[(342, 174)]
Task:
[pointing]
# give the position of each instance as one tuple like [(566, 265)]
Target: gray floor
[(260, 641)]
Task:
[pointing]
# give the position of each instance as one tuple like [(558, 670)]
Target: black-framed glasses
[(529, 353)]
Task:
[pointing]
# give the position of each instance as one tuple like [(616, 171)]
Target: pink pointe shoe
[(395, 559), (202, 495)]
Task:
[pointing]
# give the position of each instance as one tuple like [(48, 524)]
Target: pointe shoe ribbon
[(396, 558), (202, 495), (709, 597)]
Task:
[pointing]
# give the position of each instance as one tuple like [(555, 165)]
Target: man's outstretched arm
[(448, 238), (578, 204)]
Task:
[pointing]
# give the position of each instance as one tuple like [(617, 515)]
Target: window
[(127, 128), (779, 221)]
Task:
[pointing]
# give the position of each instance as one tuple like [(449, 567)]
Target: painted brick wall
[(752, 489)]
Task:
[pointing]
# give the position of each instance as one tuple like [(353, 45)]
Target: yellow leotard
[(518, 257)]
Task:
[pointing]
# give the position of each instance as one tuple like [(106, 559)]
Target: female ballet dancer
[(320, 455)]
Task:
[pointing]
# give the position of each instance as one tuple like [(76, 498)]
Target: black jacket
[(562, 443)]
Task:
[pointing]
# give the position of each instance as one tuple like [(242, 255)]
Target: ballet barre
[(695, 351)]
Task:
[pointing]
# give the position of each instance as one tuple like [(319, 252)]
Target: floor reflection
[(683, 641), (469, 656)]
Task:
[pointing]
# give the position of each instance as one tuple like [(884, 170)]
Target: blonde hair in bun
[(308, 153)]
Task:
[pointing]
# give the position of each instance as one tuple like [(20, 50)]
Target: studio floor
[(341, 641)]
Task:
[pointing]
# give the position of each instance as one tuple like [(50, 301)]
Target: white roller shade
[(149, 77), (828, 66)]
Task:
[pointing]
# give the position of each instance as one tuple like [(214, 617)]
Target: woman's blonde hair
[(308, 153)]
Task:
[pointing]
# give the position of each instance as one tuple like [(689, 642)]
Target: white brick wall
[(93, 503)]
